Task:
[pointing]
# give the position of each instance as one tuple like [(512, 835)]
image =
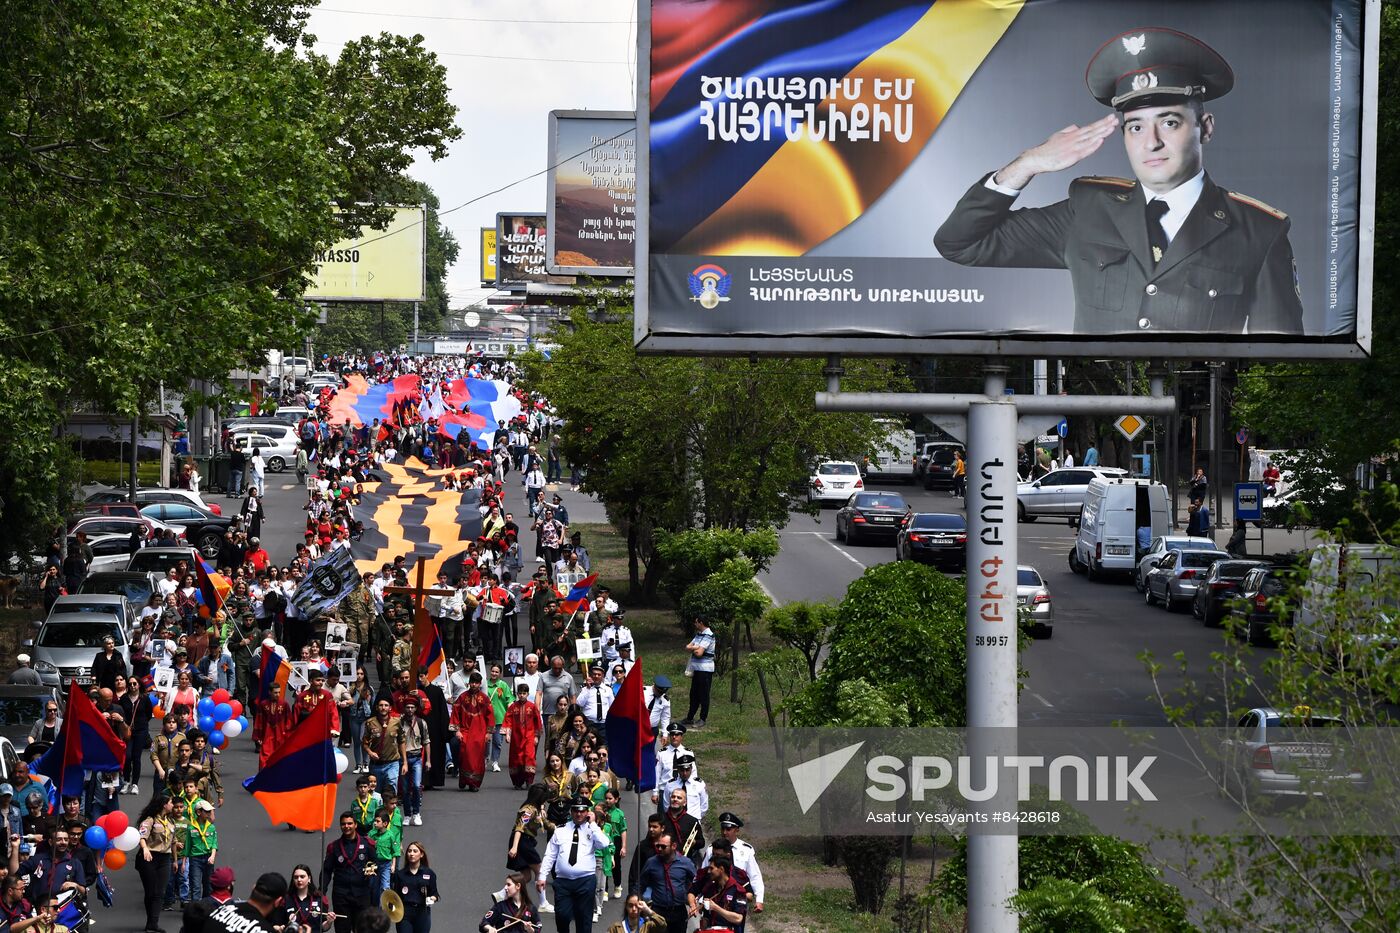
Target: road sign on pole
[(1062, 428), (1130, 426), (1242, 436), (1249, 501)]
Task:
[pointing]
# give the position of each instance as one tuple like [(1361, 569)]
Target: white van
[(1114, 509), (896, 455), (1324, 609)]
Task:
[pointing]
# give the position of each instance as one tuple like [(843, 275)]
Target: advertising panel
[(592, 204), (378, 265), (488, 255), (1012, 177), (520, 245)]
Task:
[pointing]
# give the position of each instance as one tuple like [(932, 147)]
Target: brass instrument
[(392, 905)]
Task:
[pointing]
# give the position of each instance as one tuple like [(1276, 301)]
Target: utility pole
[(415, 328), (131, 479), (1215, 465)]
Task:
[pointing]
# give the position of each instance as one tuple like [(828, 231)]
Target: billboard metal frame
[(1168, 347), (554, 161), (422, 266)]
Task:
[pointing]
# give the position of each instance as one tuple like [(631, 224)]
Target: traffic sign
[(1130, 426), (1249, 501), (1242, 436), (1062, 428)]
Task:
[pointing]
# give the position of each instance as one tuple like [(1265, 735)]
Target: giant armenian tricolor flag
[(298, 783)]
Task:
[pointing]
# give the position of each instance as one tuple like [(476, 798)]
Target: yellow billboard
[(378, 265), (488, 255)]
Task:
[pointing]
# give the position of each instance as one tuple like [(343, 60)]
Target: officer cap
[(1153, 65), (685, 761), (729, 819), (676, 728), (663, 682), (581, 803)]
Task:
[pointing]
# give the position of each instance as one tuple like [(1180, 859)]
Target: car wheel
[(898, 555), (1147, 598), (1074, 565), (1171, 605), (276, 464), (1196, 611), (1138, 580), (209, 544), (1092, 574), (1022, 514), (851, 535), (839, 535)]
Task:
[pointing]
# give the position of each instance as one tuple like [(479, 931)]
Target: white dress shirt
[(594, 702), (591, 840), (746, 860)]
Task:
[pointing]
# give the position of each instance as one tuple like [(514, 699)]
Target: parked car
[(1162, 545), (867, 514), (1220, 587), (278, 452), (9, 758), (118, 497), (1114, 509), (834, 481), (137, 587), (68, 641), (937, 538), (1273, 754), (100, 603), (1033, 603), (1176, 576), (936, 465), (159, 560), (109, 551), (1266, 599), (1059, 493), (116, 508), (203, 529), (21, 705)]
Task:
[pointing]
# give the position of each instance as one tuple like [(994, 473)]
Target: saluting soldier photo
[(1168, 251)]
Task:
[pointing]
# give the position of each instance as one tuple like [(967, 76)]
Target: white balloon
[(231, 729), (342, 763), (129, 839)]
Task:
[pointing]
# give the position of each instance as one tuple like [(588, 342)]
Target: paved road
[(465, 834), (1087, 674)]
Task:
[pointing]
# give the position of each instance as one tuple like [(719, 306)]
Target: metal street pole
[(415, 328), (1215, 465), (135, 427)]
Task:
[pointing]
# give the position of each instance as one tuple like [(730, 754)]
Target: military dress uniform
[(1228, 268)]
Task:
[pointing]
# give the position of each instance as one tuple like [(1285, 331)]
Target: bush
[(901, 629), (728, 600), (692, 556), (806, 627)]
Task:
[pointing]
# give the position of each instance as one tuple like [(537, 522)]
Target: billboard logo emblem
[(1135, 44), (1144, 81), (709, 285), (811, 778)]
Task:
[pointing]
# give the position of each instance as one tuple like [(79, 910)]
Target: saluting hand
[(1062, 150)]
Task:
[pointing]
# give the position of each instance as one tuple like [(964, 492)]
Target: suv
[(72, 635), (936, 464), (1059, 493), (160, 559), (136, 587), (1266, 598)]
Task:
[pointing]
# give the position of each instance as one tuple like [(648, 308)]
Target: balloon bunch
[(111, 837), (221, 718)]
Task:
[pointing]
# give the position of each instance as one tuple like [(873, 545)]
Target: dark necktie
[(1156, 233), (573, 849), (598, 703)]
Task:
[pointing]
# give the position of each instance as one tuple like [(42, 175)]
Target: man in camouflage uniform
[(403, 650), (357, 611), (237, 634)]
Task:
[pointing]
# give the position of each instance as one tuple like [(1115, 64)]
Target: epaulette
[(1256, 203), (1108, 180)]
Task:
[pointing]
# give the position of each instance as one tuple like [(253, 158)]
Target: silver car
[(1059, 493), (1033, 603), (1177, 575), (1161, 545), (1275, 754), (72, 635)]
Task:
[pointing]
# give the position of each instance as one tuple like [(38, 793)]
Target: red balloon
[(236, 707), (117, 823), (220, 696), (102, 821)]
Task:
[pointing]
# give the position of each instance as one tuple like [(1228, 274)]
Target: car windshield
[(21, 711), (1234, 569), (838, 469), (73, 606), (942, 455), (880, 502), (137, 589), (77, 634), (939, 521), (1199, 558), (147, 560), (1027, 577)]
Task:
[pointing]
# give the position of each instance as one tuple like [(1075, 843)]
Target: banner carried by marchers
[(329, 580), (886, 176)]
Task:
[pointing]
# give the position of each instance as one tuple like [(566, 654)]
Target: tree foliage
[(805, 627), (169, 169), (730, 600), (900, 630), (672, 443), (695, 554)]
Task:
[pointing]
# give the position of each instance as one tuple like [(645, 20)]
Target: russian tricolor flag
[(85, 742), (298, 783), (631, 741)]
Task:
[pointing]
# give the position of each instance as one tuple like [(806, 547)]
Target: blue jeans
[(381, 880), (573, 901), (388, 774), (413, 785), (178, 888), (235, 481), (357, 732), (498, 740), (199, 876)]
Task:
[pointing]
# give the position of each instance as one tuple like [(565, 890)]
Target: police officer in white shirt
[(613, 635), (666, 759), (697, 798), (595, 698), (745, 859), (572, 855), (657, 697)]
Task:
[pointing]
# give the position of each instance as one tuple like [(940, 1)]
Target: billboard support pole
[(992, 858)]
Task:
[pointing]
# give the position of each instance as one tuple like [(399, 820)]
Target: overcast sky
[(508, 65)]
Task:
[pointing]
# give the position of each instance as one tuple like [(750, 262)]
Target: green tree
[(169, 169), (805, 627), (695, 554)]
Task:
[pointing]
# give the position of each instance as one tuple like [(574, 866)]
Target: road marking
[(843, 553), (1042, 699), (766, 591)]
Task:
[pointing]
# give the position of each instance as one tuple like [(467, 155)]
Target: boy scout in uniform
[(1169, 252)]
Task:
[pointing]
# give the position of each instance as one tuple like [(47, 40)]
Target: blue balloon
[(206, 706), (223, 712), (243, 721), (207, 724), (96, 838), (216, 739)]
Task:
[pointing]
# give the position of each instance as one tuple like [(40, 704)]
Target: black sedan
[(1265, 599), (868, 514), (1219, 588), (933, 538), (203, 529)]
